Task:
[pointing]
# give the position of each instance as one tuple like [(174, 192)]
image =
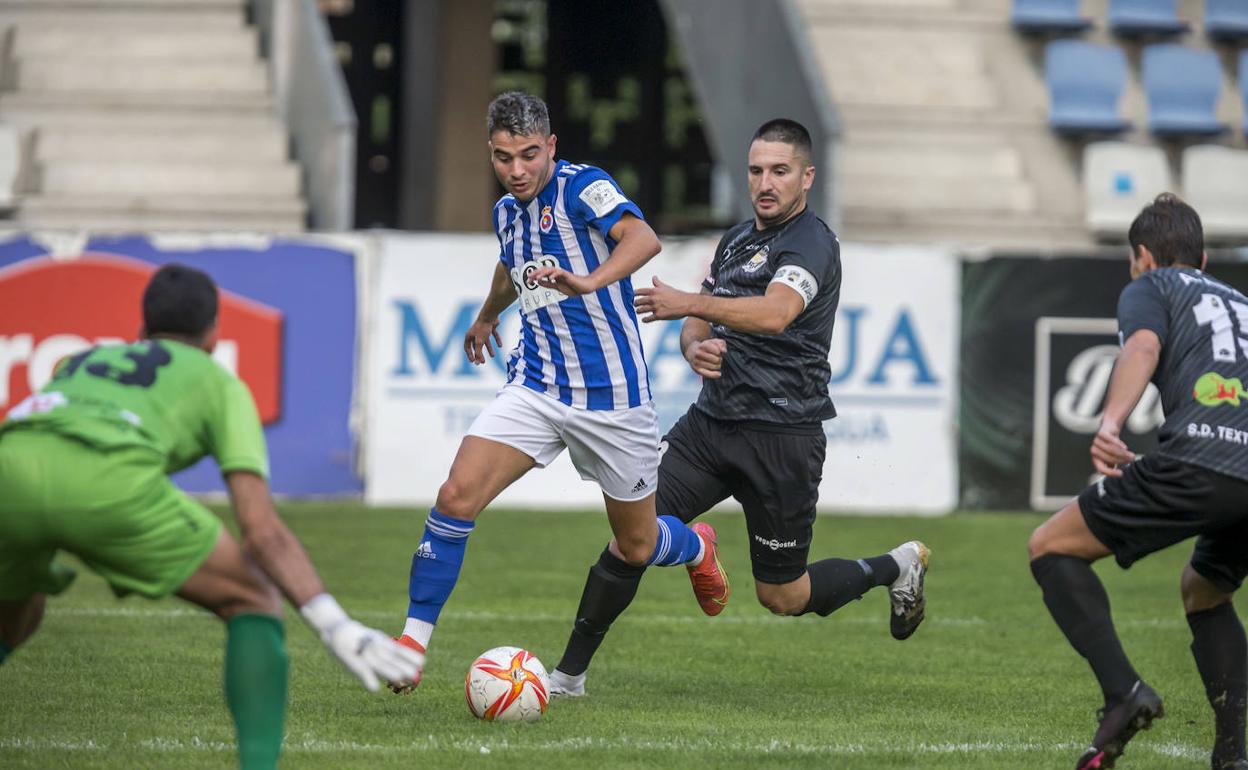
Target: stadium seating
[(1086, 83), (1048, 16), (1145, 18), (1118, 180), (1226, 20), (1183, 86), (1215, 182)]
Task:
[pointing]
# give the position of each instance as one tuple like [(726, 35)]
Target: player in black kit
[(758, 334), (1188, 333)]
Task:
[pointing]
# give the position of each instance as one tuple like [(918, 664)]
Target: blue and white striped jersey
[(584, 351)]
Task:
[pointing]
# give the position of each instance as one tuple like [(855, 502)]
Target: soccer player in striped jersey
[(1187, 333), (568, 241)]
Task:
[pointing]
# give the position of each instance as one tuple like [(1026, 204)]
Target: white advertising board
[(894, 353)]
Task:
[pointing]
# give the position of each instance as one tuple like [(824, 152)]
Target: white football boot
[(906, 592), (565, 685)]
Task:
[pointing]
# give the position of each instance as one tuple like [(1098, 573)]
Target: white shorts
[(618, 449)]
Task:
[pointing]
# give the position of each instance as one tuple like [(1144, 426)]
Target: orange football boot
[(710, 582)]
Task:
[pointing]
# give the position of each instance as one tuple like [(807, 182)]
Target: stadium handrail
[(313, 100)]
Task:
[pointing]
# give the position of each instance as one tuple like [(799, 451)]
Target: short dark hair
[(1171, 230), (179, 300), (517, 113), (787, 131)]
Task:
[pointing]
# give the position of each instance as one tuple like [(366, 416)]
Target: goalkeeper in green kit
[(83, 469)]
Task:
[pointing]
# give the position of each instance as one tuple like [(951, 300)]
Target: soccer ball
[(507, 684)]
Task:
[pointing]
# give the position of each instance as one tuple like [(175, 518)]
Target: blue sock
[(677, 543), (5, 649), (435, 565)]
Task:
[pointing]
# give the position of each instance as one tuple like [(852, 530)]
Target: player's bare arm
[(769, 314), (269, 542), (636, 244), (483, 337), (1135, 367), (703, 350)]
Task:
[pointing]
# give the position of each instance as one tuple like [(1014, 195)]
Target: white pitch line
[(1170, 749), (638, 618), (494, 617)]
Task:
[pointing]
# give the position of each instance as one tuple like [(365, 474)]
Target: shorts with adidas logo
[(617, 449), (1159, 501)]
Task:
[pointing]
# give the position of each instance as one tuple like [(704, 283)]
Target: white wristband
[(323, 613)]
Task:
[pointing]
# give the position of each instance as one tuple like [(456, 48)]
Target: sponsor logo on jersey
[(57, 307), (775, 544), (547, 221), (1212, 389)]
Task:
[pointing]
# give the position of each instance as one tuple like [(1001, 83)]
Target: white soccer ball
[(507, 684)]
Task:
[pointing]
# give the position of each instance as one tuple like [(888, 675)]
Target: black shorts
[(773, 473), (1160, 501)]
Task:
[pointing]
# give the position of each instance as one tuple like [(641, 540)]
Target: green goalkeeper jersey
[(159, 394)]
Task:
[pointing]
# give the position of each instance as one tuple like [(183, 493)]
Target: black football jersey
[(780, 378), (1203, 327)]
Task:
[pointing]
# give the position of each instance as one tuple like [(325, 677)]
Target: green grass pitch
[(987, 682)]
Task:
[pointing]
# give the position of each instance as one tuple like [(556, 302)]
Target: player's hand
[(661, 303), (563, 281), (369, 654), (477, 342), (1109, 451), (706, 357)]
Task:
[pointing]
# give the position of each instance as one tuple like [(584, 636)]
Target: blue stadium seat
[(1086, 83), (1226, 20), (1143, 18), (1182, 86), (1048, 17)]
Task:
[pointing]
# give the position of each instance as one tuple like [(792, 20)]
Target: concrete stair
[(944, 120), (147, 114)]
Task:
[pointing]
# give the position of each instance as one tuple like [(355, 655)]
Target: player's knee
[(457, 500), (636, 551), (779, 602), (251, 594), (1037, 544), (1199, 594)]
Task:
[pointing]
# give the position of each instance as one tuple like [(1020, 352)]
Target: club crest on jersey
[(547, 221), (758, 260)]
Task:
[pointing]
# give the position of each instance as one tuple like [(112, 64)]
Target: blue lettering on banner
[(413, 332), (902, 345), (857, 429)]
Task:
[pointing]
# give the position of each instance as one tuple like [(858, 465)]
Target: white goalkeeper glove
[(365, 652)]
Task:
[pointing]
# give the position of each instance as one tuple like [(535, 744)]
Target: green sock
[(5, 649), (256, 666)]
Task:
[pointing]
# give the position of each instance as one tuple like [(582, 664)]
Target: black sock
[(835, 583), (1221, 652), (882, 570), (609, 589), (1077, 601)]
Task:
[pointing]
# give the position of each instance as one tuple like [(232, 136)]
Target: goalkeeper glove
[(365, 652)]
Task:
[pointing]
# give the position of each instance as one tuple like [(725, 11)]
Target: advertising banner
[(892, 447), (1039, 339), (287, 327), (1074, 358)]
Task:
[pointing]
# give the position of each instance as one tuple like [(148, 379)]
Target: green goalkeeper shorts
[(116, 511)]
